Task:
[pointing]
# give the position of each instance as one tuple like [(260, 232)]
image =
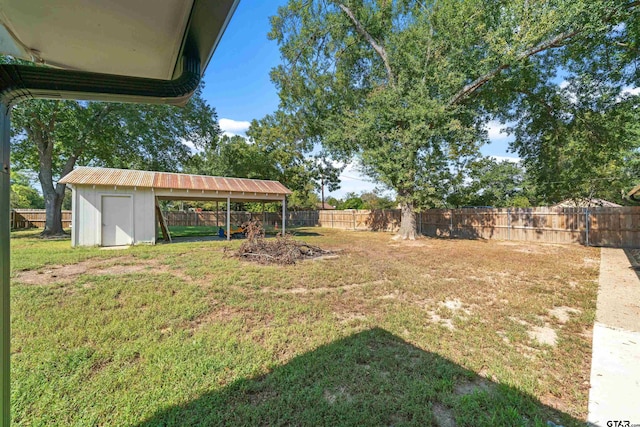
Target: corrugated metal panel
[(176, 181)]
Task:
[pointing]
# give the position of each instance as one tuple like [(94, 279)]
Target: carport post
[(228, 218), (5, 228), (284, 213)]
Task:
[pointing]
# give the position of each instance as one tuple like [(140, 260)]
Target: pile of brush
[(281, 250)]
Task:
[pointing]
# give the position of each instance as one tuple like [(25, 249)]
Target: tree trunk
[(53, 205), (407, 222), (53, 195)]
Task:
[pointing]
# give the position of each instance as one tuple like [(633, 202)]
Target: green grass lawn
[(199, 231), (435, 332)]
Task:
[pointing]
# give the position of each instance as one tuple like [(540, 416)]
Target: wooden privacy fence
[(598, 226), (615, 227), (212, 219), (34, 218)]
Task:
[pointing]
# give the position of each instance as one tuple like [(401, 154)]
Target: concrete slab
[(615, 364), (615, 376)]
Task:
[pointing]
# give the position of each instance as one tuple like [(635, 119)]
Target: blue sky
[(237, 82)]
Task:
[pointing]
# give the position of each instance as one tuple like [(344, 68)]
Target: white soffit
[(140, 38)]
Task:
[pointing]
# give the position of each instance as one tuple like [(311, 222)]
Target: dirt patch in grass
[(118, 266), (544, 335), (443, 416), (337, 394), (470, 387), (563, 313), (97, 267), (323, 289)]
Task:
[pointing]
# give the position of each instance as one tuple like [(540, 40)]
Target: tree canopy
[(23, 195), (407, 86), (52, 137)]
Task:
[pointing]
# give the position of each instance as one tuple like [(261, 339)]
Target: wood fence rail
[(34, 218), (616, 227), (600, 226)]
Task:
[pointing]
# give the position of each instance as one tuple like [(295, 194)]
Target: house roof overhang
[(117, 50)]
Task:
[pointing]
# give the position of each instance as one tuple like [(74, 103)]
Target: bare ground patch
[(65, 274), (69, 273), (323, 289), (443, 416), (544, 335), (563, 313), (470, 387)]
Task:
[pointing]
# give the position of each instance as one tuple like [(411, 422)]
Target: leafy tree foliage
[(365, 200), (325, 174), (493, 183), (23, 195), (579, 141), (52, 137), (407, 85), (272, 151)]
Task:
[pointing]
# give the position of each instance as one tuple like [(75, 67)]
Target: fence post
[(508, 223), (354, 219), (420, 222), (332, 212), (450, 223), (586, 225)]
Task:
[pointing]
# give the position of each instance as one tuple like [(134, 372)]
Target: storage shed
[(115, 207)]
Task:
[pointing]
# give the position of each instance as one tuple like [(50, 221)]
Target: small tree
[(23, 195)]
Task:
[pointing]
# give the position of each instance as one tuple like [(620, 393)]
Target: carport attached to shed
[(114, 207)]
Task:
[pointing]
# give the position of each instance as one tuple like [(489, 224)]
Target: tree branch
[(380, 50), (82, 139), (554, 42)]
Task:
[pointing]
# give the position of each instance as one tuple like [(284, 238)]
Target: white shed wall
[(87, 215)]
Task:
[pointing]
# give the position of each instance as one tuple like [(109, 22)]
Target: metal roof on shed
[(165, 180)]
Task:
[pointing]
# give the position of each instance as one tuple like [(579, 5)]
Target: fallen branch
[(281, 250)]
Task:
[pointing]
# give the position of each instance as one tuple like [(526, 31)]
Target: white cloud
[(506, 158), (191, 146), (353, 181), (232, 127), (564, 84), (495, 130), (629, 91)]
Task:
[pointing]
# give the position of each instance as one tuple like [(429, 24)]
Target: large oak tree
[(407, 86), (52, 137)]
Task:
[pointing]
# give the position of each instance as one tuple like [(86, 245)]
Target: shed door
[(117, 229)]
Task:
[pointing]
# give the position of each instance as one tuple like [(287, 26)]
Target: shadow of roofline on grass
[(369, 378), (634, 263)]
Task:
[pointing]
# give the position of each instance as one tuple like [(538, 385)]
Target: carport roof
[(634, 193), (175, 181)]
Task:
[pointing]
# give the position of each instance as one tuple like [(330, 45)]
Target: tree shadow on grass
[(35, 233), (633, 255), (301, 233), (368, 379)]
